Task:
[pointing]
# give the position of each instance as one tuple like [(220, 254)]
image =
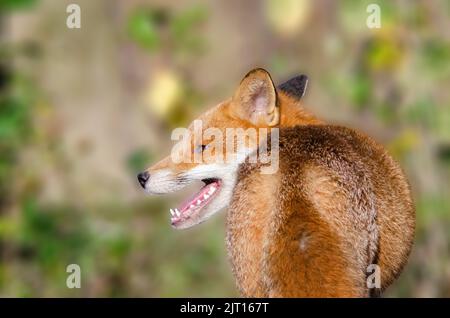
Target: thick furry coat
[(337, 204)]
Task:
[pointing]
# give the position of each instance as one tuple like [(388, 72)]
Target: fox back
[(337, 204)]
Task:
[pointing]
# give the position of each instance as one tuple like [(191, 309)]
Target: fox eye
[(200, 148)]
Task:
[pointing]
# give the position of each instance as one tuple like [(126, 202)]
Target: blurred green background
[(83, 110)]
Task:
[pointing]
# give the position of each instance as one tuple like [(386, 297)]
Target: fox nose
[(143, 177)]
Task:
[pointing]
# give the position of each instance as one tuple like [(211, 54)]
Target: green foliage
[(422, 112), (143, 28), (184, 29), (16, 4), (383, 53), (353, 13), (53, 235), (138, 160), (431, 207), (15, 125), (360, 90), (444, 154), (14, 116), (435, 55), (157, 29)]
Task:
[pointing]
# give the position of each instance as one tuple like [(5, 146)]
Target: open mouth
[(198, 201)]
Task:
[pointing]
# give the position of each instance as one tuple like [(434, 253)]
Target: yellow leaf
[(287, 16), (164, 91)]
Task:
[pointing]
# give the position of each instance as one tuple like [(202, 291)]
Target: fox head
[(207, 150)]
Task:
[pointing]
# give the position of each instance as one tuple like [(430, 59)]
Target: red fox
[(336, 205)]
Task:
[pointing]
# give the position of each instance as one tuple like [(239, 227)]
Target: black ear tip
[(295, 87)]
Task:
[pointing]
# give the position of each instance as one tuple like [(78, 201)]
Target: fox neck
[(294, 114)]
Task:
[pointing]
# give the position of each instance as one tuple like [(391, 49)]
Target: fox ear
[(295, 87), (256, 99)]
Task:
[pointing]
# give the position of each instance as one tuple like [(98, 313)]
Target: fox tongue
[(199, 198)]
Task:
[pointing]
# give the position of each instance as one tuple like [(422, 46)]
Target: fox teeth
[(172, 212), (192, 206), (206, 196), (177, 212), (199, 202)]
